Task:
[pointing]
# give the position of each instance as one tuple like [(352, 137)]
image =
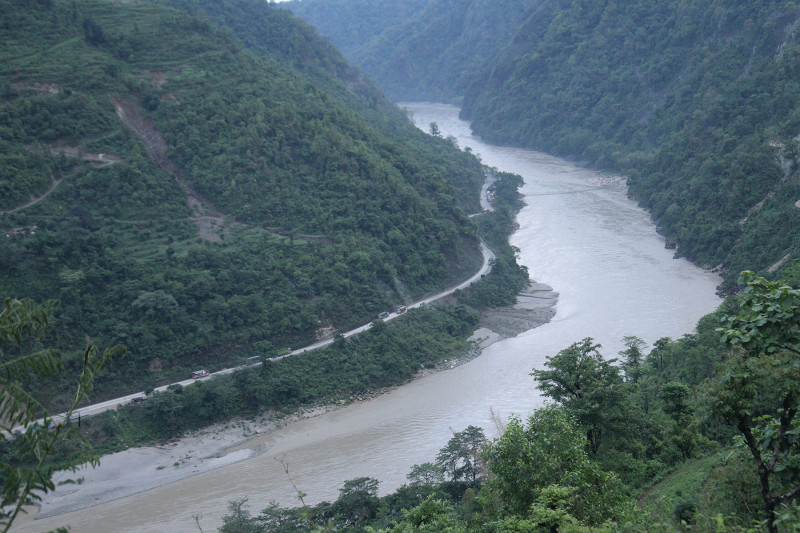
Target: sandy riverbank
[(140, 469)]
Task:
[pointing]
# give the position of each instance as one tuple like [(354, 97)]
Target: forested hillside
[(426, 51), (696, 102), (183, 189)]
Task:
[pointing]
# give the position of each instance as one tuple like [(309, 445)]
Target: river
[(578, 233)]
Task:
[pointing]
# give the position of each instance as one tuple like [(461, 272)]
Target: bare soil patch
[(534, 307), (209, 221)]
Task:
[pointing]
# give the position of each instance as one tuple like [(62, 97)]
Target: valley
[(595, 247), (565, 299)]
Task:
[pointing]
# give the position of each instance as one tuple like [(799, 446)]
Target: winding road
[(97, 408)]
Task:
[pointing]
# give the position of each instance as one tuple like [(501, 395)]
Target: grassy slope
[(682, 485)]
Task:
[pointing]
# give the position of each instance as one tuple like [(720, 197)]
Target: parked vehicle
[(401, 309), (200, 374), (383, 316), (254, 360)]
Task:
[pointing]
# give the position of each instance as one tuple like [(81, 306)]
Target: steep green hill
[(697, 102), (265, 29), (182, 188), (430, 51)]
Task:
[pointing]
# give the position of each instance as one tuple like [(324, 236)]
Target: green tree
[(239, 520), (277, 519), (432, 515), (33, 432), (528, 460), (425, 474), (676, 400), (461, 457), (757, 386), (588, 386), (156, 305), (93, 32), (675, 396), (632, 357), (358, 501)]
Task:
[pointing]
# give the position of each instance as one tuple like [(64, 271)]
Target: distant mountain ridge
[(350, 24), (433, 53)]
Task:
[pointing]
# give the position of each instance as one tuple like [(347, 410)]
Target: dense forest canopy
[(695, 102), (181, 187)]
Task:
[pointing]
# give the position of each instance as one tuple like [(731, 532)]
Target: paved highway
[(488, 256), (97, 408)]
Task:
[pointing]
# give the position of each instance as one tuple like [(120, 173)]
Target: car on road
[(197, 374), (383, 316)]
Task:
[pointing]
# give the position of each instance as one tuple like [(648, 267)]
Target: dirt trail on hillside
[(34, 200), (98, 161), (209, 221)]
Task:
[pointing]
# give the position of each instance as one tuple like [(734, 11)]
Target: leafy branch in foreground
[(33, 433), (758, 388)]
